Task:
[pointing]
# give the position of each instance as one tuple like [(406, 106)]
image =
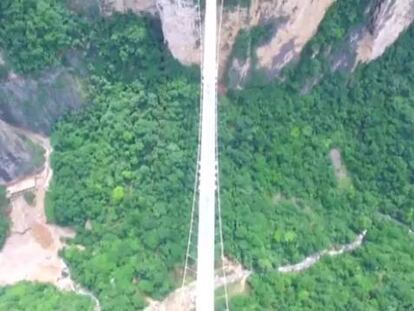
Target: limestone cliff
[(296, 20), (36, 103), (33, 103), (388, 18), (136, 6), (294, 23), (181, 28), (18, 155)]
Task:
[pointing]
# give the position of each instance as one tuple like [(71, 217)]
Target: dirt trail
[(30, 252), (334, 251), (183, 299)]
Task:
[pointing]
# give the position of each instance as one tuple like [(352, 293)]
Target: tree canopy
[(124, 169)]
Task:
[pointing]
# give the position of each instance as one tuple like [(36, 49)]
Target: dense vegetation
[(377, 277), (276, 177), (343, 20), (124, 170), (135, 147), (284, 157), (330, 45), (35, 33), (135, 186), (4, 223), (36, 297)]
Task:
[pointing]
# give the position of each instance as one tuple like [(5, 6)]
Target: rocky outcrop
[(123, 6), (181, 28), (292, 24), (383, 23), (36, 103), (300, 22), (18, 155), (33, 103), (179, 21), (387, 20), (89, 8), (296, 22)]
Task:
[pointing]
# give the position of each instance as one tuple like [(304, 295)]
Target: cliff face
[(33, 103), (36, 103), (181, 27), (388, 18), (294, 23), (300, 21), (18, 156), (137, 6)]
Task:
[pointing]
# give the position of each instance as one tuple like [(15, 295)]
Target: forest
[(41, 298), (126, 165)]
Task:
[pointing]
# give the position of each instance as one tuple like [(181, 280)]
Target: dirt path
[(395, 221), (183, 299), (30, 252), (313, 259)]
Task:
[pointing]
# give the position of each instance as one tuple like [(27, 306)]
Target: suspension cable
[(195, 186), (222, 258)]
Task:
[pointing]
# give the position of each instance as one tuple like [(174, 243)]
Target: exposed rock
[(302, 18), (31, 251), (88, 225), (344, 181), (181, 28), (90, 8), (295, 21), (136, 6), (180, 24), (33, 103), (233, 21), (339, 167), (17, 154), (345, 58), (389, 18), (36, 103), (179, 21), (238, 72)]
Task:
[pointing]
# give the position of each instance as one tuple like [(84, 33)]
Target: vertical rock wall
[(387, 20), (181, 28), (17, 154), (296, 22), (180, 24)]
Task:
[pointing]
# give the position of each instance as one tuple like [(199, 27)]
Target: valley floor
[(31, 251)]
